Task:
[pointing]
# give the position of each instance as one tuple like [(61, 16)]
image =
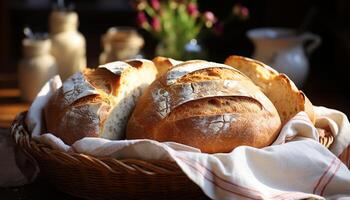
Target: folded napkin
[(295, 166)]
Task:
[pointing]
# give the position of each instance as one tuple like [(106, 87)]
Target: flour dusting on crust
[(162, 99), (215, 124), (167, 99), (116, 67), (75, 88)]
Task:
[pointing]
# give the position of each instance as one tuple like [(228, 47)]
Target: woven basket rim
[(121, 169), (22, 137)]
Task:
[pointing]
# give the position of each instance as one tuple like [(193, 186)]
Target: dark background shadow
[(328, 81)]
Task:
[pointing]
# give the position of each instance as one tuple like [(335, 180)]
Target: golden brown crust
[(215, 106), (97, 103), (212, 108), (309, 109), (283, 93), (163, 64), (83, 116), (218, 133), (103, 79), (210, 74), (227, 122)]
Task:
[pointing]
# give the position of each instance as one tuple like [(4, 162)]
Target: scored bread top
[(175, 95), (83, 103), (181, 89), (283, 93), (76, 87), (116, 67), (206, 105), (103, 80)]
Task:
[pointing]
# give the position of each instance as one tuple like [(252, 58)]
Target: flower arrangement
[(178, 23), (173, 23)]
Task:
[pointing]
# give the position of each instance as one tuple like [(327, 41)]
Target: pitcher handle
[(315, 41)]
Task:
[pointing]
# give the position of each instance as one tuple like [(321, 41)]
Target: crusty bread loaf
[(163, 64), (98, 103), (147, 71), (283, 93), (210, 106)]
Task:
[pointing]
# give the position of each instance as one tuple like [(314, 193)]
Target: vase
[(285, 50), (188, 51)]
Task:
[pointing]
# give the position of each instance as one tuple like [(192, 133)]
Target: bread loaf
[(163, 64), (98, 103), (283, 93), (210, 106)]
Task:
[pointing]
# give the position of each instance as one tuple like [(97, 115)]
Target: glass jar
[(120, 43), (35, 68), (68, 45)]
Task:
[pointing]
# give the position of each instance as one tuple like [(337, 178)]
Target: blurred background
[(327, 83)]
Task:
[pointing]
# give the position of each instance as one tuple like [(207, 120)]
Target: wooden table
[(10, 99), (10, 105)]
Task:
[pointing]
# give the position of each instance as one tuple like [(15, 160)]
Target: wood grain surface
[(10, 99), (10, 105)]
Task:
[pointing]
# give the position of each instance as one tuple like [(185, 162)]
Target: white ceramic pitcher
[(284, 50)]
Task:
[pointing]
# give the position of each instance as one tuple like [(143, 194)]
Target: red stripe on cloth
[(330, 178), (220, 183), (323, 175), (220, 177), (289, 195)]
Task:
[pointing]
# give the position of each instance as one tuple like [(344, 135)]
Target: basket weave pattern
[(106, 178), (109, 178)]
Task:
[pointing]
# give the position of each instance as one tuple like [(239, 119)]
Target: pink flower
[(209, 17), (155, 4), (155, 24), (192, 9), (245, 12), (141, 18)]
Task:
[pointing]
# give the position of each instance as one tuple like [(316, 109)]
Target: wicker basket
[(108, 178)]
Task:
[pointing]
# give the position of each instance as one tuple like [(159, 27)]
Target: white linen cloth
[(295, 166)]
